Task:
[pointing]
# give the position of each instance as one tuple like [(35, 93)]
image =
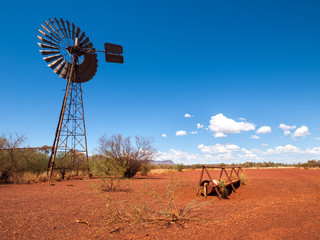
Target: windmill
[(71, 55)]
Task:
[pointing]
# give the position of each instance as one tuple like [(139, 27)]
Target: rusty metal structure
[(211, 186), (71, 55)]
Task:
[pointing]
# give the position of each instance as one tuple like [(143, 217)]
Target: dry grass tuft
[(243, 179)]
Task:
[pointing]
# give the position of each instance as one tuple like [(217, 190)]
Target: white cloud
[(181, 133), (249, 155), (255, 137), (288, 149), (231, 153), (315, 150), (291, 149), (316, 138), (264, 144), (301, 132), (286, 128), (225, 157), (219, 152), (287, 132), (164, 135), (178, 156), (219, 135), (187, 115), (222, 125), (219, 148), (264, 129), (194, 132), (199, 125)]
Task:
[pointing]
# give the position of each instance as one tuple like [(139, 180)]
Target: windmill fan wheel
[(64, 45)]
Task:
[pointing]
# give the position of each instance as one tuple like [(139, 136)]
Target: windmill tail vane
[(71, 55)]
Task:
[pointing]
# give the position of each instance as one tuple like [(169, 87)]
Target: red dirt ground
[(276, 204)]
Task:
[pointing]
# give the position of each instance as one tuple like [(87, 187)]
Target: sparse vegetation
[(118, 156), (310, 164), (145, 168), (223, 189), (179, 167), (20, 165), (243, 179), (149, 205)]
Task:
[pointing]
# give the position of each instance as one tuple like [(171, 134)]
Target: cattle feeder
[(211, 186)]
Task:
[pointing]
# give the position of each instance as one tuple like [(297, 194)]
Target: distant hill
[(165, 162)]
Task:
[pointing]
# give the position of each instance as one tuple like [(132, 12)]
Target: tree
[(9, 156), (15, 161), (118, 156)]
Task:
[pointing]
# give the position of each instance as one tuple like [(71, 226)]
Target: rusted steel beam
[(201, 175), (221, 173), (230, 181), (215, 187), (222, 167)]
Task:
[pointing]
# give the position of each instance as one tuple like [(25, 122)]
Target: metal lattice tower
[(71, 55)]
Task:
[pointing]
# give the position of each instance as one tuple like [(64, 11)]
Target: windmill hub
[(75, 50)]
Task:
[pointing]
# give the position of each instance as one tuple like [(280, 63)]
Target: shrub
[(223, 189), (119, 157), (243, 179), (179, 167), (17, 163), (145, 168)]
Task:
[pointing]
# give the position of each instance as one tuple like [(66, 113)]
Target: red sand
[(276, 204)]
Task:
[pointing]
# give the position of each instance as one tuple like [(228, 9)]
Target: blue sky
[(233, 66)]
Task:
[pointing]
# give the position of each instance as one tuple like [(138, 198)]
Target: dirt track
[(276, 204)]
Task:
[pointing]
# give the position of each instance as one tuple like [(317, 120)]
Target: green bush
[(179, 167), (16, 161), (145, 168), (223, 189), (119, 157)]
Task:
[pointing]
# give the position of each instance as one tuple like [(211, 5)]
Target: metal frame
[(70, 137), (207, 183)]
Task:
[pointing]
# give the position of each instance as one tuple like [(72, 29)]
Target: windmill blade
[(64, 29), (82, 37), (47, 46), (69, 29), (65, 70), (77, 32), (47, 41), (60, 67), (55, 63), (73, 30), (48, 52), (47, 36), (89, 45), (57, 31), (53, 31), (46, 29), (60, 28), (85, 41), (51, 58), (50, 33)]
